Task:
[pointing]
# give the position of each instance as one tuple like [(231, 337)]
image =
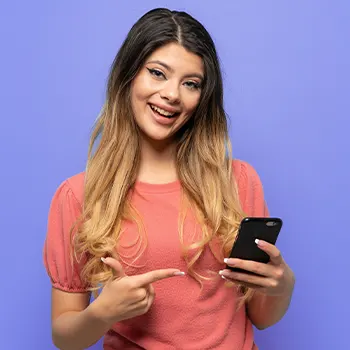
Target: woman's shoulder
[(73, 187), (76, 184), (244, 173), (250, 188)]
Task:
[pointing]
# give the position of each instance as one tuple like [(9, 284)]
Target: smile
[(163, 112)]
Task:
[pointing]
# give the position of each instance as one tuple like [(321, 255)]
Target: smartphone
[(251, 228)]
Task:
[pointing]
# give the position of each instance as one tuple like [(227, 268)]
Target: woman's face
[(166, 91)]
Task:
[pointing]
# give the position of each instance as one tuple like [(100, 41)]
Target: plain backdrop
[(286, 75)]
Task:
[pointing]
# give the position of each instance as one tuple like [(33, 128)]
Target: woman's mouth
[(162, 116), (163, 113)]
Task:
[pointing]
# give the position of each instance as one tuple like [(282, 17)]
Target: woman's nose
[(170, 92)]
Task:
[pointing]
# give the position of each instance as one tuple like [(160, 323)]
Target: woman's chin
[(158, 137)]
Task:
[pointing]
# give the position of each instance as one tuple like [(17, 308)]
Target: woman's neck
[(158, 163)]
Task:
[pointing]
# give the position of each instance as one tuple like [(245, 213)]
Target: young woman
[(148, 225)]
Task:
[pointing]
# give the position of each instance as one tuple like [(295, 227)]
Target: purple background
[(286, 71)]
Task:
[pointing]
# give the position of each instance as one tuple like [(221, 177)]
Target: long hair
[(208, 185)]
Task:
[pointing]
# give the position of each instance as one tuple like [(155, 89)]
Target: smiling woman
[(166, 91), (148, 225)]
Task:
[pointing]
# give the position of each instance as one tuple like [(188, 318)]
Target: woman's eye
[(193, 85), (157, 73)]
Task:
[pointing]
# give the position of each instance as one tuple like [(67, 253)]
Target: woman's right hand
[(125, 296)]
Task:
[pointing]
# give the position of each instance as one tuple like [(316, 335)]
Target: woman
[(147, 226)]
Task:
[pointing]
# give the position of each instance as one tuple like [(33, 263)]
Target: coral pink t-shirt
[(182, 316)]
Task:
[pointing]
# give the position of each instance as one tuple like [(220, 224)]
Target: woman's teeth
[(162, 112)]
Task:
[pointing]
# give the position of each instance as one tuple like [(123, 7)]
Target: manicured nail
[(179, 273), (221, 272), (103, 259), (224, 278), (225, 260), (257, 241), (232, 262)]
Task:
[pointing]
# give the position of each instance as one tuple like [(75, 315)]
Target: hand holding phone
[(251, 229), (255, 261)]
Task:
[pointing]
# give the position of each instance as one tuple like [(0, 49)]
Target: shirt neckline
[(147, 187)]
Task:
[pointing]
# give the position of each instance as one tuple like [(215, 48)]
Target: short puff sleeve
[(251, 192), (61, 266)]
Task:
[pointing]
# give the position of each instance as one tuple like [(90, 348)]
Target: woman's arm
[(273, 284), (75, 325), (266, 310)]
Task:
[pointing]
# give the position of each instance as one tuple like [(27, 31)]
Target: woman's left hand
[(273, 278)]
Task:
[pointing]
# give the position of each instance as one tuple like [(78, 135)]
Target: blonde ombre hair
[(203, 154)]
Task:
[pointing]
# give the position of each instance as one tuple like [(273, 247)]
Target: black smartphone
[(266, 229)]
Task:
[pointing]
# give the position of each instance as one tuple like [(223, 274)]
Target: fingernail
[(232, 262), (257, 241), (226, 260), (221, 272), (103, 259), (179, 273), (224, 278)]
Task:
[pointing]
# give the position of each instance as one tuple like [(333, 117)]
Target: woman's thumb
[(118, 270)]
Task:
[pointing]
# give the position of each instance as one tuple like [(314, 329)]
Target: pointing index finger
[(156, 275)]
